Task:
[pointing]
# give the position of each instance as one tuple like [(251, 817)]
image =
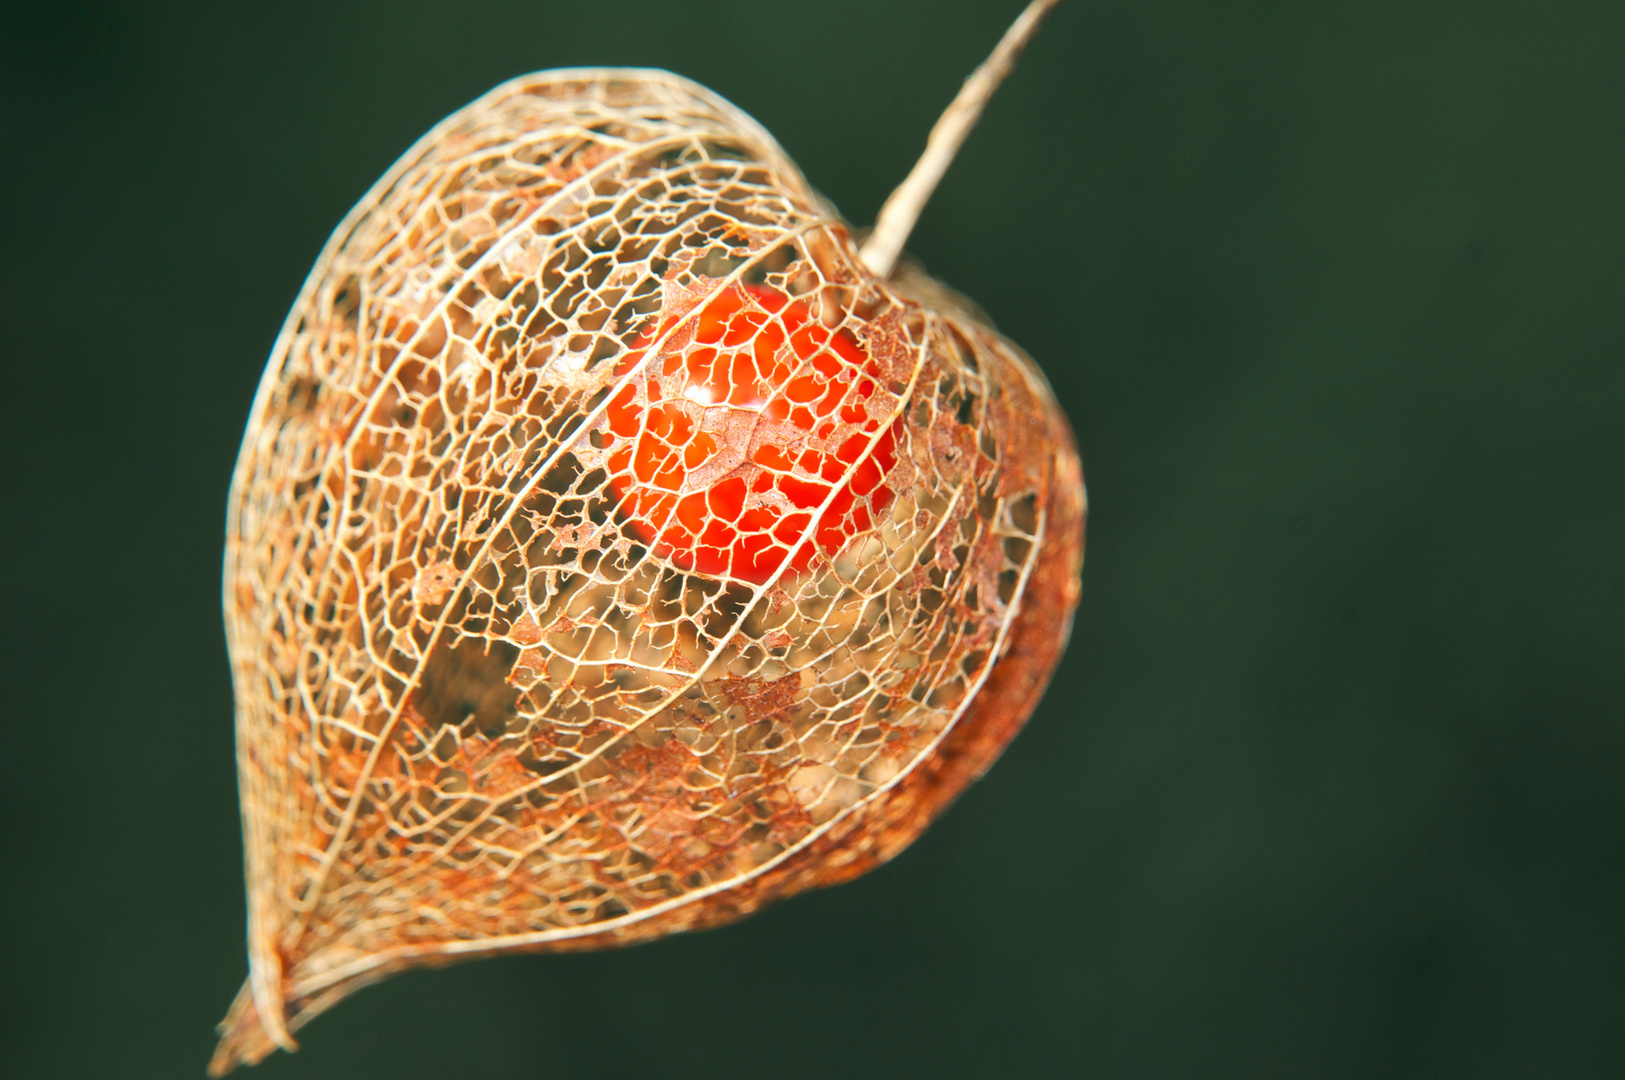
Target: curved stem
[(896, 220)]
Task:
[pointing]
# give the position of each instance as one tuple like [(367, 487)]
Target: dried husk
[(476, 712)]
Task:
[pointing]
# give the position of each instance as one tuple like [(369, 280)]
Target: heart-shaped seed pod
[(612, 552)]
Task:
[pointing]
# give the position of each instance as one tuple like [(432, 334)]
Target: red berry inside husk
[(750, 423)]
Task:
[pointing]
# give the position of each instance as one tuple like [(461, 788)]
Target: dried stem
[(879, 253)]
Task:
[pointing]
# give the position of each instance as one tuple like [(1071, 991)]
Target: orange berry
[(748, 441)]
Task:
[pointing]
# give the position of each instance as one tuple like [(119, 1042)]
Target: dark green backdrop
[(1332, 781)]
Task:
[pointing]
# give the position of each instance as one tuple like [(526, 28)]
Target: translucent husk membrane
[(551, 630)]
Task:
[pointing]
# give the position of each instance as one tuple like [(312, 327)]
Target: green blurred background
[(1332, 781)]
